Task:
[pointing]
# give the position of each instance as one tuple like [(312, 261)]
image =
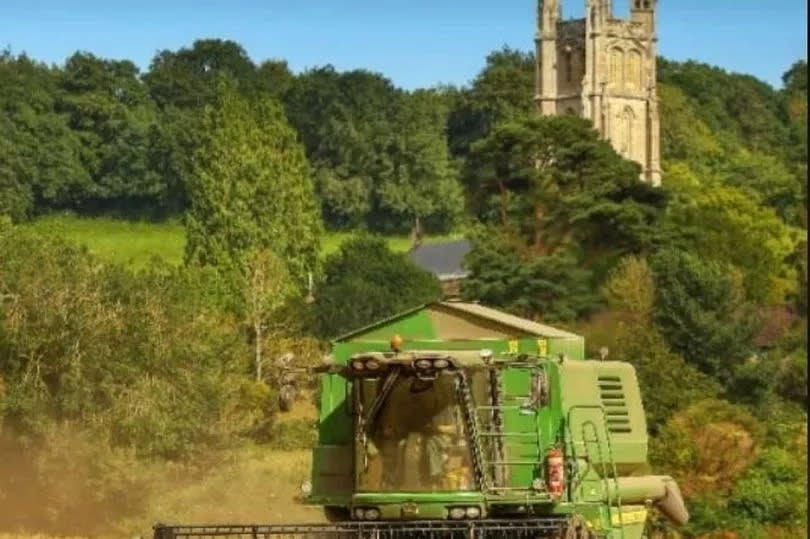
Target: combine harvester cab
[(455, 420), (458, 413)]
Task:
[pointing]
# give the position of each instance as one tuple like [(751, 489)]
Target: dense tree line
[(701, 284), (96, 135)]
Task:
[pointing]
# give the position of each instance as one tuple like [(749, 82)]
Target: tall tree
[(503, 91), (110, 110), (251, 189), (702, 312), (728, 225), (39, 153), (420, 181), (181, 83), (345, 123), (188, 77), (554, 181)]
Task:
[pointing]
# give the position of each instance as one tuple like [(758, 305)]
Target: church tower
[(603, 69)]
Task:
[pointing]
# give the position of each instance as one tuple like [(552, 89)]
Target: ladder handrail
[(612, 461)]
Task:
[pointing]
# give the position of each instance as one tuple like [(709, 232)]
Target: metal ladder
[(608, 479), (493, 440)]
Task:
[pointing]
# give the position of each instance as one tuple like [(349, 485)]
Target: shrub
[(702, 312), (364, 282)]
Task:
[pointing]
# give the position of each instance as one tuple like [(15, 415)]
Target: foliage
[(39, 153), (109, 109), (566, 208), (188, 77), (708, 446), (552, 288), (702, 312), (380, 154), (267, 293), (740, 105), (555, 181), (772, 491), (420, 181), (723, 224), (668, 383), (251, 190), (502, 92), (293, 434), (365, 282), (152, 362)]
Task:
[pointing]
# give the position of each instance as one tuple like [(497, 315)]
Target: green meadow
[(135, 243)]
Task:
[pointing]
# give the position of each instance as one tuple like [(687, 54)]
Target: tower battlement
[(603, 68)]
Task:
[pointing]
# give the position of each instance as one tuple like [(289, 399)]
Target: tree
[(421, 181), (555, 181), (110, 110), (567, 206), (39, 153), (702, 311), (189, 77), (344, 123), (739, 105), (365, 282), (251, 190), (502, 92), (667, 382), (154, 362), (725, 224), (181, 83), (267, 290), (380, 154), (552, 288)]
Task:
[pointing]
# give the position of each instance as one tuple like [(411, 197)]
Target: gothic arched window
[(628, 121), (616, 67), (569, 65), (632, 74)]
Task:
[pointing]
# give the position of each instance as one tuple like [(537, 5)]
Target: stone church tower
[(603, 69)]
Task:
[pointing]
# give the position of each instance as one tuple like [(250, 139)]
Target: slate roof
[(442, 259)]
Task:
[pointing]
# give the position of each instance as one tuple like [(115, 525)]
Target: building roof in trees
[(442, 259)]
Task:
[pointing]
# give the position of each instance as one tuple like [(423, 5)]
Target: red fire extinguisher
[(555, 474)]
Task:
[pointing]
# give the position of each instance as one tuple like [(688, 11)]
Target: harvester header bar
[(443, 529)]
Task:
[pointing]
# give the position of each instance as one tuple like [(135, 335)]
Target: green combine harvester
[(456, 420)]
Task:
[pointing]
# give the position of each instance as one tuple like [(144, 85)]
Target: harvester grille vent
[(613, 400)]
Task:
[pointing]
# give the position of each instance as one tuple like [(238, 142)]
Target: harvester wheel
[(336, 514)]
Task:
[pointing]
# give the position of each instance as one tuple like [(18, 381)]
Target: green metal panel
[(521, 452), (572, 348), (583, 404), (413, 326)]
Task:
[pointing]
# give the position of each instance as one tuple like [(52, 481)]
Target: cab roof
[(451, 320)]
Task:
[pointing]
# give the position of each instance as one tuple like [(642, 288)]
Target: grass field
[(135, 243), (248, 485)]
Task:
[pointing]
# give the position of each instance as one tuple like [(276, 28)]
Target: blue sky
[(416, 43)]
